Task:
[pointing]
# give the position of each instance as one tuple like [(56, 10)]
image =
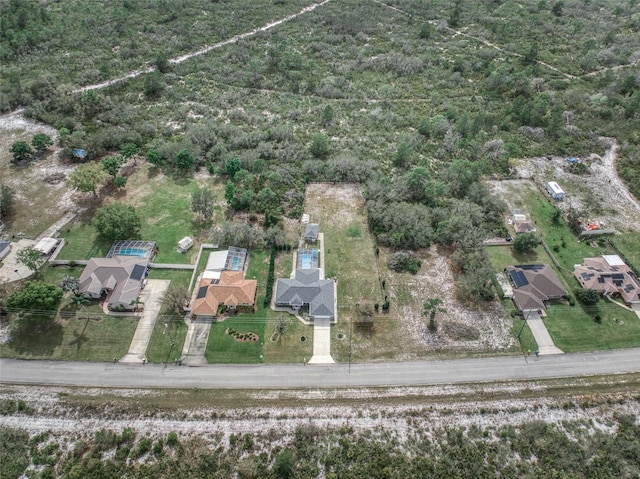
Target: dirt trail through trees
[(203, 51)]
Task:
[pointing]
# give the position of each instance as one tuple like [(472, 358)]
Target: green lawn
[(163, 203), (73, 339), (222, 348), (166, 342), (82, 242), (574, 249), (573, 329), (177, 276), (629, 245)]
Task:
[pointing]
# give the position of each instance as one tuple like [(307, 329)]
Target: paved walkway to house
[(151, 296), (541, 335), (195, 344), (321, 342)]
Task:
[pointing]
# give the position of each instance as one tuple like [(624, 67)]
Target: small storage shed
[(185, 244), (555, 191), (311, 233), (46, 245), (5, 248)]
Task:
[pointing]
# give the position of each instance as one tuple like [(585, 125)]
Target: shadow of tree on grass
[(35, 340)]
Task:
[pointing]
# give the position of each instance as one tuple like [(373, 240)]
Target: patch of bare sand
[(459, 327), (600, 196), (340, 199), (446, 406)]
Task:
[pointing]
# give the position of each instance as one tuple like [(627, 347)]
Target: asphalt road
[(270, 376)]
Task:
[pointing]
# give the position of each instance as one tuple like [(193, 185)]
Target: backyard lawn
[(163, 203)]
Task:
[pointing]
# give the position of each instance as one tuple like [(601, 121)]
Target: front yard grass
[(160, 347), (222, 348), (73, 339), (573, 329)]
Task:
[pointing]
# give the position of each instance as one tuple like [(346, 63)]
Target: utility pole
[(173, 342)]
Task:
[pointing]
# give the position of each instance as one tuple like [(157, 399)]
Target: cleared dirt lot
[(598, 195), (41, 196)]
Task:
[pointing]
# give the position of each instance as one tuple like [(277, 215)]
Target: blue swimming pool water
[(307, 260), (140, 253), (235, 263)]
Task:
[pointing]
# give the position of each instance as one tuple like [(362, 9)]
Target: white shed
[(554, 190), (46, 245), (184, 244)]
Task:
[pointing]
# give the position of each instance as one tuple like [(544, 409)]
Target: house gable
[(122, 276)]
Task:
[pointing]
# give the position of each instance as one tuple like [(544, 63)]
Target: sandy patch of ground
[(599, 196), (39, 183), (348, 196), (401, 412), (459, 327)]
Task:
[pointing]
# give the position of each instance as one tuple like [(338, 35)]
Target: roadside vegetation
[(583, 428)]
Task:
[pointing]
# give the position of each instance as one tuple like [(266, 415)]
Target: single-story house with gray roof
[(121, 277), (306, 289)]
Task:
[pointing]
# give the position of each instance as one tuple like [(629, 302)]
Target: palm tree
[(137, 303), (431, 307), (77, 300)]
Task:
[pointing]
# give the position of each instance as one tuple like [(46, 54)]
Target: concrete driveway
[(541, 335), (195, 344), (12, 270), (151, 296), (321, 342)]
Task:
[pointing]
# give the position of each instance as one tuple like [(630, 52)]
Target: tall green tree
[(153, 84), (232, 166), (525, 242), (30, 257), (117, 221), (87, 177), (184, 160), (176, 298), (6, 201), (129, 150), (112, 164), (430, 308), (320, 146), (36, 296), (202, 203)]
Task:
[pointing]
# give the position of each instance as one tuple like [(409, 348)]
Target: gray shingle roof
[(307, 289)]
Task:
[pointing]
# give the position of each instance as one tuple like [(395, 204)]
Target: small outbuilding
[(311, 233), (555, 191), (46, 245), (185, 244), (5, 248)]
